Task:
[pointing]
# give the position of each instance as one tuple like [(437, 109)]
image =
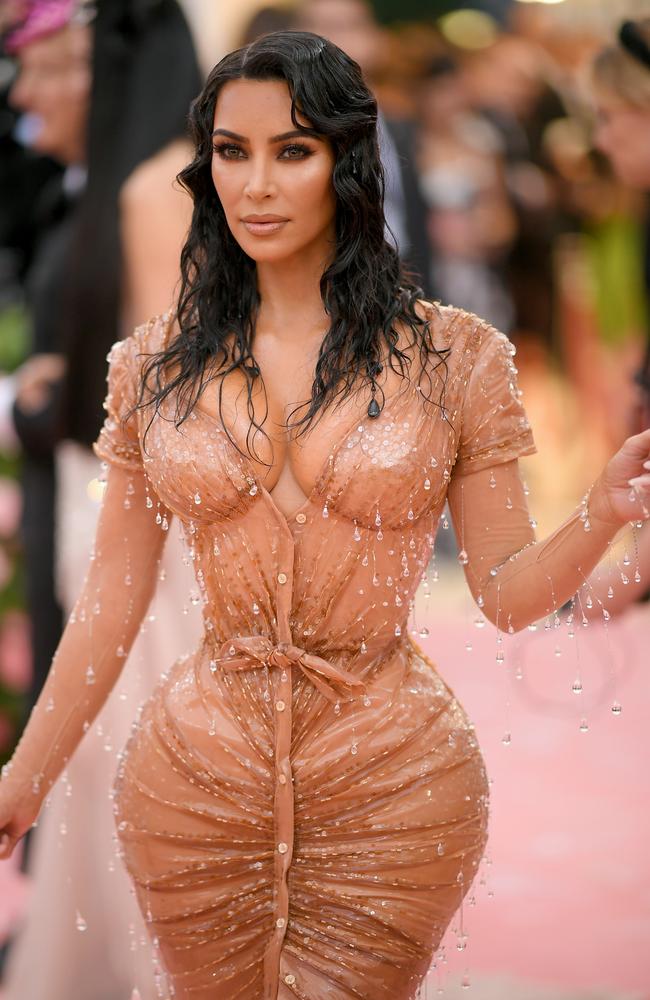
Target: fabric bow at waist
[(246, 652)]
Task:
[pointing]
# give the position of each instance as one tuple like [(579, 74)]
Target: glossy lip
[(262, 225)]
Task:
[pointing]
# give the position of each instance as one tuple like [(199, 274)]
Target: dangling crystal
[(493, 481), (81, 923), (373, 408), (197, 499), (463, 558), (509, 502), (398, 630), (424, 632), (584, 726), (506, 739), (610, 592), (427, 484), (357, 533), (149, 502), (616, 708), (576, 687), (626, 559), (90, 675), (637, 577), (378, 519)]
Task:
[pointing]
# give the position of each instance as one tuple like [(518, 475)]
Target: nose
[(260, 182)]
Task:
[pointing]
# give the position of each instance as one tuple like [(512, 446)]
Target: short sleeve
[(118, 441), (494, 426)]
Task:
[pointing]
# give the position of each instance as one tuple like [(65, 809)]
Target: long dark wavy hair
[(365, 289)]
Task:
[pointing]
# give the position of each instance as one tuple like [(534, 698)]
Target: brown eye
[(227, 151), (296, 151)]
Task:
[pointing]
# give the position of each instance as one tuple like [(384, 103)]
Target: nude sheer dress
[(302, 804)]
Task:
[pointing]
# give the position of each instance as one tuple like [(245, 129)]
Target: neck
[(291, 303)]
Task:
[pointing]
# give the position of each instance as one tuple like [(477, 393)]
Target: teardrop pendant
[(373, 408)]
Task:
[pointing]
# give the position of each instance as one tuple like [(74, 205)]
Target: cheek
[(225, 185), (315, 190)]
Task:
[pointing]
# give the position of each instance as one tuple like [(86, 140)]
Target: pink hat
[(41, 18)]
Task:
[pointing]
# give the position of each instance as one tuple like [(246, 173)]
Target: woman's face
[(622, 133), (53, 85), (275, 184)]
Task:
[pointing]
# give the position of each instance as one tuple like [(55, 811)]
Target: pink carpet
[(570, 810)]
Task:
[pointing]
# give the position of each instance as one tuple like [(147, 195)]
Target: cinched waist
[(249, 652)]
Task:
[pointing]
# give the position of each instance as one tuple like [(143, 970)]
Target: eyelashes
[(231, 151)]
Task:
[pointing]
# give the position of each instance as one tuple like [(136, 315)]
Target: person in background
[(117, 267), (53, 86), (471, 222), (351, 25), (620, 82)]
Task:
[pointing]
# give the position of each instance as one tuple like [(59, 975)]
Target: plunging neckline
[(252, 475), (254, 478)]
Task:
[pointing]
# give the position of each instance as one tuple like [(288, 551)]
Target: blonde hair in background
[(617, 72)]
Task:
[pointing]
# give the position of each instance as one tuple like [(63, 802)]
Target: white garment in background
[(78, 881)]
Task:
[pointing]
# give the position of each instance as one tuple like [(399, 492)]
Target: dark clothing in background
[(39, 433), (417, 254)]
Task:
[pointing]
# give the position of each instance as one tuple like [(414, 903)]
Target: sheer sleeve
[(494, 426), (119, 585), (514, 578), (118, 441)]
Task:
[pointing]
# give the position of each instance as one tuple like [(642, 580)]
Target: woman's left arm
[(515, 578)]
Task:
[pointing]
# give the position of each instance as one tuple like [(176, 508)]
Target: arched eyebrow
[(294, 134)]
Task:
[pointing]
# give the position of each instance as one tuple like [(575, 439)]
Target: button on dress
[(303, 803)]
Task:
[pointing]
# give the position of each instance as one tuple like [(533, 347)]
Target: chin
[(269, 254)]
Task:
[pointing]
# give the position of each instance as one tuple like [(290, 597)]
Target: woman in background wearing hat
[(107, 93)]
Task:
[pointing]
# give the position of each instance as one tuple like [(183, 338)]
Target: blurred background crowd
[(515, 138)]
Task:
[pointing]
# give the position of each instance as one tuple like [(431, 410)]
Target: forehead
[(71, 42), (263, 104)]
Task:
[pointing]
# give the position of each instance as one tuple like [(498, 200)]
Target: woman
[(302, 804)]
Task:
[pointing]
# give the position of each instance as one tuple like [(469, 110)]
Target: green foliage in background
[(14, 335)]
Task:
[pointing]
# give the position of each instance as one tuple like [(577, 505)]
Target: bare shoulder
[(155, 178)]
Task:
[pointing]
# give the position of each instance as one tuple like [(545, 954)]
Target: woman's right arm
[(102, 627)]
